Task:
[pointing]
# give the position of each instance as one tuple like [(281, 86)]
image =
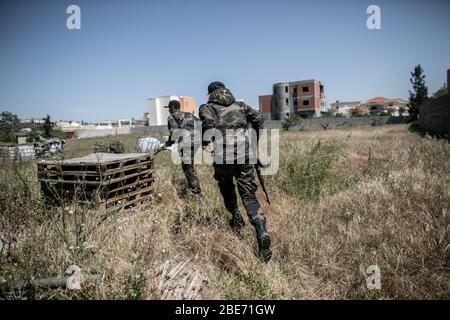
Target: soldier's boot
[(264, 241), (193, 182), (198, 196), (237, 222)]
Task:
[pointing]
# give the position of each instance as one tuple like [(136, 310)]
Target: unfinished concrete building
[(305, 98)]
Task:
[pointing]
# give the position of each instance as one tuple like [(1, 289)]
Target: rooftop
[(296, 82), (377, 99)]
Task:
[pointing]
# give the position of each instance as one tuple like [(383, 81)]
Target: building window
[(306, 102), (295, 89), (286, 89), (287, 101), (305, 89), (295, 102)]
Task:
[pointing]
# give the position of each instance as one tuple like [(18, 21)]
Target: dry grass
[(344, 199)]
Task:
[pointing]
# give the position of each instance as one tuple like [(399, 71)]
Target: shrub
[(291, 121), (306, 175)]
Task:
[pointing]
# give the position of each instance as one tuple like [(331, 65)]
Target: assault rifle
[(258, 167)]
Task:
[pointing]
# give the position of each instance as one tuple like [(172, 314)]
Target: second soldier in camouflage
[(233, 161), (184, 121)]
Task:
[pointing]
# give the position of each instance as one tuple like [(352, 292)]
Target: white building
[(324, 106), (33, 120), (68, 124), (344, 108), (157, 114)]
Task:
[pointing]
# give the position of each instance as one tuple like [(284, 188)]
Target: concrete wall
[(91, 133), (150, 129), (448, 80), (276, 124), (434, 115), (357, 121)]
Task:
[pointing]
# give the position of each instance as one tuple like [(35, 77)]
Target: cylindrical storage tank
[(147, 145), (281, 100)]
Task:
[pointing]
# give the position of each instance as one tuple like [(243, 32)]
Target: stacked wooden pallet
[(103, 179)]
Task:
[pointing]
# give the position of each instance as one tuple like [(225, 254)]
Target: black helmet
[(215, 85), (173, 104)]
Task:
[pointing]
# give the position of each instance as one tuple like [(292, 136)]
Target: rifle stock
[(258, 167)]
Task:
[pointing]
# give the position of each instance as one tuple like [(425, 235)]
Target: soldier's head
[(215, 85), (173, 106)]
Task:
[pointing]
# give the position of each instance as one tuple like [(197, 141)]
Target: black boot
[(264, 241), (198, 196), (237, 222)]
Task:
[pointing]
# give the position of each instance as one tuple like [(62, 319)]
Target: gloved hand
[(161, 148), (209, 148)]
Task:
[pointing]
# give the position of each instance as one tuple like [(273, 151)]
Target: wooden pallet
[(106, 179)]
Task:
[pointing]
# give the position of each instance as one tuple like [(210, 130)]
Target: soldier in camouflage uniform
[(184, 120), (223, 112)]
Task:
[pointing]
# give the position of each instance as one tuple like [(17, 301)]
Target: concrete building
[(21, 136), (305, 98), (33, 120), (68, 125), (324, 106), (344, 108), (157, 114), (187, 104), (377, 105)]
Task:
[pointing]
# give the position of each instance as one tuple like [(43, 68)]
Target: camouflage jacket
[(180, 120), (222, 113)]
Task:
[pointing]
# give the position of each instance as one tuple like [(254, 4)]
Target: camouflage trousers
[(246, 185), (189, 172), (191, 177)]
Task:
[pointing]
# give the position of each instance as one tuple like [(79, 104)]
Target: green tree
[(47, 127), (9, 126), (33, 135), (356, 113), (292, 120), (442, 91), (328, 114), (384, 113), (420, 91), (58, 134)]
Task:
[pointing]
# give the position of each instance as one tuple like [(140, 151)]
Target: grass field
[(343, 200)]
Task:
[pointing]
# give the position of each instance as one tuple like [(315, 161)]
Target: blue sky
[(128, 51)]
